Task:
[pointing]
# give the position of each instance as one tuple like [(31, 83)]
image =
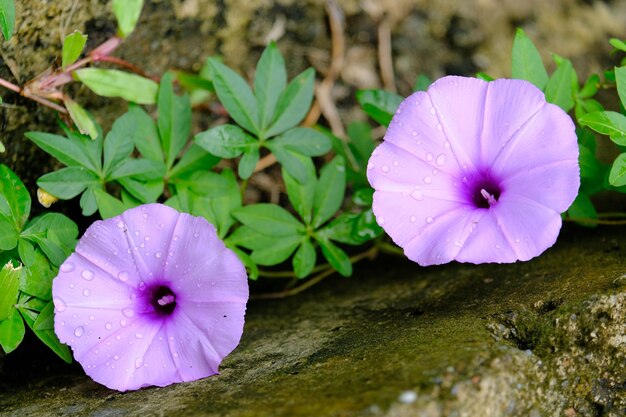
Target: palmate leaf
[(305, 258), (278, 250), (336, 257), (294, 103), (248, 162), (293, 162), (47, 336), (617, 175), (68, 182), (9, 287), (119, 142), (304, 140), (301, 195), (67, 150), (562, 86), (226, 141), (608, 123)]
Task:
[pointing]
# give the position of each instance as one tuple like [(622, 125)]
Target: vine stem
[(327, 271)]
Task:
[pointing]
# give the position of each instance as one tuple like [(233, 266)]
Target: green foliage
[(116, 83), (378, 104), (32, 251), (527, 64), (127, 14), (73, 46), (7, 18)]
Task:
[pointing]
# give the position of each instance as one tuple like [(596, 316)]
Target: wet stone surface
[(542, 338)]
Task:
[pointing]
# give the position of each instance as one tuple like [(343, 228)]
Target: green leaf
[(46, 336), (88, 200), (582, 208), (145, 136), (55, 234), (305, 258), (279, 250), (617, 175), (235, 94), (249, 238), (7, 18), (194, 159), (270, 79), (305, 141), (380, 105), (119, 142), (608, 123), (142, 168), (174, 120), (36, 280), (562, 86), (589, 165), (9, 288), (249, 264), (14, 198), (301, 194), (144, 191), (81, 118), (294, 103), (527, 64), (269, 219), (192, 82), (329, 191), (12, 332), (618, 44), (115, 83), (45, 320), (2, 148), (226, 141), (73, 45), (127, 14), (294, 163), (9, 234), (67, 182), (67, 151), (620, 79), (484, 76), (422, 83), (26, 251), (108, 206), (336, 257), (248, 162), (591, 87)]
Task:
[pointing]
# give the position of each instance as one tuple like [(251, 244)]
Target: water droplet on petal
[(67, 267), (72, 285), (432, 111), (385, 169), (458, 243), (108, 326), (128, 312), (86, 292), (429, 220), (381, 221), (427, 180), (429, 157), (123, 276), (412, 219), (78, 332), (138, 362), (439, 127), (87, 275), (417, 195), (414, 133), (396, 163), (370, 165), (446, 144), (123, 323), (441, 160), (158, 254), (175, 354), (138, 335), (116, 357), (120, 224), (517, 241), (59, 304)]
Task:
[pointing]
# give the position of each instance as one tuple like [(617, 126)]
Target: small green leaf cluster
[(30, 254)]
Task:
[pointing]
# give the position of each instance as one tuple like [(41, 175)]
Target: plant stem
[(10, 85), (294, 290), (390, 249)]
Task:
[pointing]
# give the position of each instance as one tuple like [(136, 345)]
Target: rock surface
[(542, 338)]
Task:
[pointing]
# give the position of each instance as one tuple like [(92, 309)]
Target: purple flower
[(475, 171), (150, 297)]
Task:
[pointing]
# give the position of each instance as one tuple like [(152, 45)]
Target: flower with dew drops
[(475, 171), (150, 297)]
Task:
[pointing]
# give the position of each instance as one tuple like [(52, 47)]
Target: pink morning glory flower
[(475, 171), (150, 297)]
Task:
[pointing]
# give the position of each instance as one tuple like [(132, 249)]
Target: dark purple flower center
[(163, 300), (485, 194)]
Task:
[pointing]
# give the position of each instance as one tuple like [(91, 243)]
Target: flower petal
[(459, 103)]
